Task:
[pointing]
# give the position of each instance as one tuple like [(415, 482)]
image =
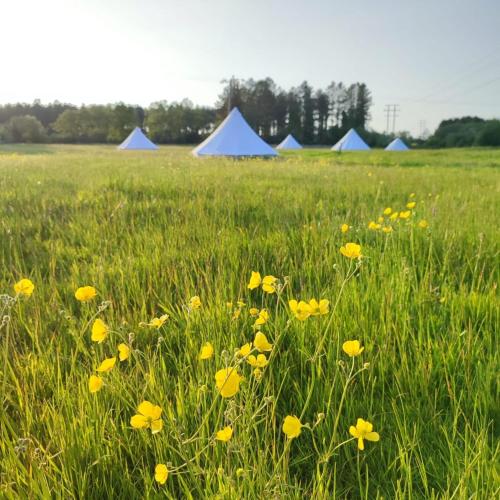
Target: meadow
[(163, 233)]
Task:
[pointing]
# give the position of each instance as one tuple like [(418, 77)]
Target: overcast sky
[(435, 58)]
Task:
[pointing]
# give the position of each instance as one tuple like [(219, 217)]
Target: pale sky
[(435, 58)]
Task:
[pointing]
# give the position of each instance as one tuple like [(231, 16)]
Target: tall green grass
[(151, 230)]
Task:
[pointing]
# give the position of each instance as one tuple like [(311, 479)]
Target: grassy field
[(152, 230)]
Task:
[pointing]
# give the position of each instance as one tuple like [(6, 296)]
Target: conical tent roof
[(351, 142), (234, 137), (137, 140), (397, 145), (289, 142)]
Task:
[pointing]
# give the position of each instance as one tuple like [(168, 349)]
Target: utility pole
[(387, 111), (395, 111), (423, 126)]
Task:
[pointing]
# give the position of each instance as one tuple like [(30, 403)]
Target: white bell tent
[(397, 145), (234, 137), (289, 142), (351, 142), (137, 140)]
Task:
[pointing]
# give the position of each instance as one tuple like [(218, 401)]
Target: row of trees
[(464, 132), (319, 116)]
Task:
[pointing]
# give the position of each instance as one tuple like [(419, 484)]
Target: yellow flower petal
[(207, 351), (245, 350), (149, 410), (85, 293), (124, 352), (255, 280), (292, 427), (95, 383), (373, 436), (269, 284), (139, 422), (228, 382), (99, 331), (351, 251), (156, 426), (352, 348), (224, 435), (261, 343), (161, 473), (195, 302), (24, 287), (107, 365)]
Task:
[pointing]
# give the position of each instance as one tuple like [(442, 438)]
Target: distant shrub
[(490, 135), (24, 129)]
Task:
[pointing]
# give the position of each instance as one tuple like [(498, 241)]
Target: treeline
[(465, 132), (56, 122), (318, 116), (313, 116)]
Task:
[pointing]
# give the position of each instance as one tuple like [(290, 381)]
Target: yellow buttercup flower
[(255, 280), (107, 365), (423, 224), (259, 361), (207, 351), (394, 216), (269, 284), (161, 473), (158, 322), (262, 318), (380, 219), (404, 215), (319, 308), (373, 226), (362, 431), (411, 204), (387, 229), (99, 331), (228, 382), (123, 352), (301, 310), (253, 311), (388, 211), (95, 383), (352, 348), (85, 293), (261, 343), (351, 251), (292, 427), (24, 287), (148, 417), (257, 373), (195, 302), (225, 434), (344, 228), (245, 350)]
